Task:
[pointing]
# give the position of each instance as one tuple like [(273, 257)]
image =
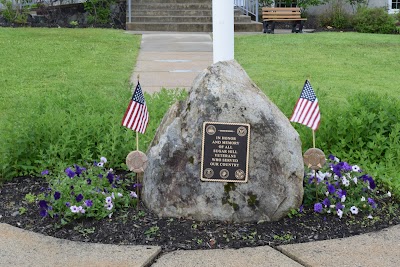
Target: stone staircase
[(180, 16)]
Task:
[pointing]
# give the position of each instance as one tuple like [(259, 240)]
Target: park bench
[(272, 14)]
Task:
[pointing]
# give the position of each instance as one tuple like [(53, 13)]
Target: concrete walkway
[(170, 61), (23, 248)]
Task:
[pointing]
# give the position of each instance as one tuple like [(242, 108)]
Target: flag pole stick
[(313, 137)]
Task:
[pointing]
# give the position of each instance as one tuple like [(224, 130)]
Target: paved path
[(23, 248), (173, 60)]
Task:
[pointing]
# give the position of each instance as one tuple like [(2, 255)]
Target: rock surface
[(224, 93)]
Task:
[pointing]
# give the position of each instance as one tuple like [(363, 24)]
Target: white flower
[(362, 198), (343, 198), (329, 211), (370, 217), (112, 195), (328, 174), (345, 182), (103, 159), (320, 175), (331, 206), (354, 210), (389, 194), (326, 193), (109, 206), (336, 159), (74, 209), (119, 194), (355, 180), (133, 194), (109, 215), (100, 164), (83, 211), (340, 213), (108, 200), (355, 168), (335, 177)]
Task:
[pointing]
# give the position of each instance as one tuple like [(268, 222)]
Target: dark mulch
[(142, 227)]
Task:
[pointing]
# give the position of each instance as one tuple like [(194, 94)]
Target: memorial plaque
[(225, 152)]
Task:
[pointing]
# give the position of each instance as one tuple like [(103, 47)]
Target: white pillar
[(223, 30)]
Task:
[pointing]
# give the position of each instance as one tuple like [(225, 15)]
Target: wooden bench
[(272, 14)]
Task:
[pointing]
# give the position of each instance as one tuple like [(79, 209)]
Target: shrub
[(14, 13), (374, 20), (336, 17)]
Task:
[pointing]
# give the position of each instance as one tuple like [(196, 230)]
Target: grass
[(355, 79), (64, 92)]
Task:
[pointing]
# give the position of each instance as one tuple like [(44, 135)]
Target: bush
[(14, 13), (374, 20), (366, 132), (336, 17)]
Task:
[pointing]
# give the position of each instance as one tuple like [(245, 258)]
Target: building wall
[(317, 10)]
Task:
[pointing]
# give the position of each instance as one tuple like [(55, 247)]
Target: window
[(290, 3), (395, 4)]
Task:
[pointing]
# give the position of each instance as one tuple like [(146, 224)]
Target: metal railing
[(248, 7)]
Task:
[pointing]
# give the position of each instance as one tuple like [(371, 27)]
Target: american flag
[(136, 115), (306, 110)]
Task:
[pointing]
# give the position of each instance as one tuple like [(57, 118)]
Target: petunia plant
[(91, 191), (341, 189)]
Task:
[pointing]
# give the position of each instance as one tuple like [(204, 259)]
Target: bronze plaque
[(225, 152), (314, 158)]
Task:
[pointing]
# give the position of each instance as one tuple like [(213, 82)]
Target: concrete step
[(189, 27), (188, 19), (171, 1), (171, 6), (164, 13)]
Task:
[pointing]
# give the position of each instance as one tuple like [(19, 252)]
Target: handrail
[(248, 7)]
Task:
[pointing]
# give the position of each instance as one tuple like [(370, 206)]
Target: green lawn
[(64, 91), (355, 77), (337, 64)]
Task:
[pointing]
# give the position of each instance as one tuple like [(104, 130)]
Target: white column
[(223, 30)]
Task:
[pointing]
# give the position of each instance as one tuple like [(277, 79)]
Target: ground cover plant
[(62, 120)]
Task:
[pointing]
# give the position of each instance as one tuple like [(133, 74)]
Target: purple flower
[(79, 170), (89, 181), (301, 208), (331, 189), (326, 202), (318, 207), (370, 180), (57, 195), (45, 172), (100, 175), (341, 193), (372, 203), (70, 173), (336, 169), (345, 166), (110, 177), (88, 203), (43, 204), (43, 213), (339, 206), (79, 198), (331, 157), (68, 204), (137, 185)]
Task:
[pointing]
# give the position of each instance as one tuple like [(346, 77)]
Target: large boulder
[(224, 93)]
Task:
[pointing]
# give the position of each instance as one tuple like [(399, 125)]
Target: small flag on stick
[(306, 110), (136, 115)]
